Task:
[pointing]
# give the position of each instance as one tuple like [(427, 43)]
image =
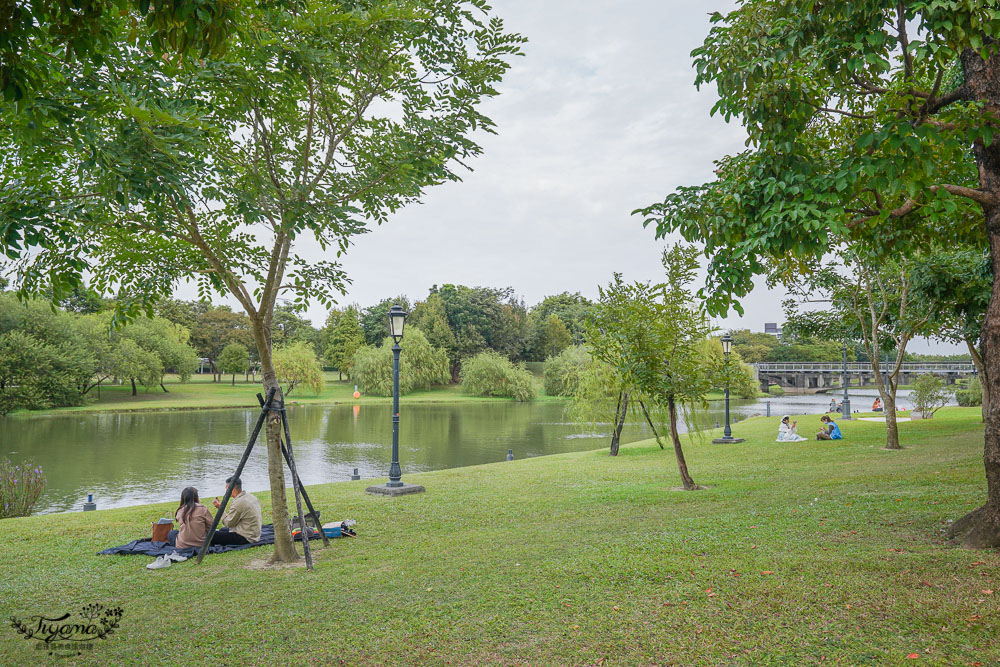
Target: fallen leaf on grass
[(767, 572), (753, 546), (576, 627), (615, 607), (978, 562), (926, 583), (987, 591), (913, 656)]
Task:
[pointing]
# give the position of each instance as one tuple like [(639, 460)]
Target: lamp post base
[(386, 490), (727, 441)]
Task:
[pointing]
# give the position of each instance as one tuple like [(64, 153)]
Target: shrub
[(775, 390), (20, 487), (562, 372), (490, 374), (929, 395), (971, 396), (297, 365), (421, 366)]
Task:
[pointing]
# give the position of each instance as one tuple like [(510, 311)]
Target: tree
[(375, 319), (321, 117), (572, 309), (859, 129), (555, 335), (483, 318), (36, 34), (562, 371), (217, 327), (296, 365), (651, 337), (489, 373), (430, 317), (753, 347), (234, 359), (130, 362), (959, 280), (343, 337), (930, 394), (872, 301), (420, 365), (289, 327), (740, 376), (45, 359)]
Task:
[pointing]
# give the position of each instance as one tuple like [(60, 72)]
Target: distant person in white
[(786, 431)]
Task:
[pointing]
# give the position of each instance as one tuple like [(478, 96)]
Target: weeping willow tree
[(650, 338)]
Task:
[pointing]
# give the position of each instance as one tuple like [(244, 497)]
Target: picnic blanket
[(146, 547)]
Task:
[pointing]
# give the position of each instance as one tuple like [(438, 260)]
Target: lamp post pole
[(845, 405), (395, 472), (395, 485), (727, 432)]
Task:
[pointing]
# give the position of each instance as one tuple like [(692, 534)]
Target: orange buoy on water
[(357, 394)]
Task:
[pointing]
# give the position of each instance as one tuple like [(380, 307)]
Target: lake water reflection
[(144, 457)]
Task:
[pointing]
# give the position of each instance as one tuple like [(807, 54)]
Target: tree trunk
[(340, 375), (977, 359), (133, 386), (234, 379), (164, 389), (650, 422), (689, 484), (619, 424), (889, 410), (284, 548), (981, 528)]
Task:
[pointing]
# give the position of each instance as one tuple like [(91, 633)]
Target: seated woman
[(830, 430), (877, 405), (787, 432), (833, 405), (194, 519)]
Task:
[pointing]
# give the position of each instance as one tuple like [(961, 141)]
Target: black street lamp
[(845, 405), (727, 432), (395, 485)]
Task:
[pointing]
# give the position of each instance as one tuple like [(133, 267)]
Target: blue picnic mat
[(146, 547)]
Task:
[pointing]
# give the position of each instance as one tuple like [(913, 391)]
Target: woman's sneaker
[(160, 562)]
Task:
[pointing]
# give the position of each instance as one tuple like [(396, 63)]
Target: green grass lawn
[(201, 393), (798, 553)]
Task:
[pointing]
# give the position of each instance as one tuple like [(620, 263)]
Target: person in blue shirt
[(830, 430)]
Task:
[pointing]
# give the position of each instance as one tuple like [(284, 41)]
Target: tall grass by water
[(21, 485)]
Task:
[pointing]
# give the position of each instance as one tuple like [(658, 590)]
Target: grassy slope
[(797, 553), (200, 393)]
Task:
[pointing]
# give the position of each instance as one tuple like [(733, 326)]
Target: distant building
[(773, 329)]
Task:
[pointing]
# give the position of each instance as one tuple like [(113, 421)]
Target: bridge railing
[(859, 367)]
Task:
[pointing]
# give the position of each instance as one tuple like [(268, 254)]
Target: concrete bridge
[(810, 378)]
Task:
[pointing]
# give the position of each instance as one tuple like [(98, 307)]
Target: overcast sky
[(598, 118)]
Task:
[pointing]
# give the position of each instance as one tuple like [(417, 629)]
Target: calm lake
[(146, 457)]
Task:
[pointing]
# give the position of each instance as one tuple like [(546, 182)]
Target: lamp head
[(727, 344), (397, 321)]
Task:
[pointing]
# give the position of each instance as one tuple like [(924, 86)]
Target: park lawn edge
[(814, 552)]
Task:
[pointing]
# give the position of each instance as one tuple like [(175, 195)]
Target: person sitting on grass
[(787, 431), (877, 405), (830, 430), (833, 405), (242, 519), (194, 519)]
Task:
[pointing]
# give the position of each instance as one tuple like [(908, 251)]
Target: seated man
[(830, 430), (242, 519)]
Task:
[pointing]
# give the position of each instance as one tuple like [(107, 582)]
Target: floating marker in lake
[(355, 476), (510, 454), (90, 505)]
